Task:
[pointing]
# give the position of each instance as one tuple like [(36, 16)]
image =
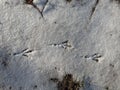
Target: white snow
[(32, 48)]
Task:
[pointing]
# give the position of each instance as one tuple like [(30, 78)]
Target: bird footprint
[(94, 57)]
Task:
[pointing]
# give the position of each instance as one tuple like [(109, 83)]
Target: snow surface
[(70, 38)]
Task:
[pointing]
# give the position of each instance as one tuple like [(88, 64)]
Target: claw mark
[(24, 52), (93, 9), (64, 44), (54, 79), (20, 52), (31, 3), (29, 51), (94, 57), (25, 55)]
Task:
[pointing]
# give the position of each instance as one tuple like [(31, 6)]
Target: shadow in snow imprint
[(89, 86), (5, 57)]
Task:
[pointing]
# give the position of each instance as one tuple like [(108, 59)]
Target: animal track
[(94, 57), (24, 52), (64, 44)]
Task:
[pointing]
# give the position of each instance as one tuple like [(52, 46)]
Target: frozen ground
[(81, 37)]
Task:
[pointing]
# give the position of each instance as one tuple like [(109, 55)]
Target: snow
[(33, 48)]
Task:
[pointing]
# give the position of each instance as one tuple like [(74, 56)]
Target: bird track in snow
[(64, 44), (24, 52), (94, 57)]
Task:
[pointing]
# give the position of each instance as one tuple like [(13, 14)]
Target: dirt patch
[(67, 83)]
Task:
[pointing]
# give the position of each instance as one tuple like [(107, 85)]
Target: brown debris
[(67, 83), (31, 3)]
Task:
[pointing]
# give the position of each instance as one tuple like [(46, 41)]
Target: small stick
[(31, 3)]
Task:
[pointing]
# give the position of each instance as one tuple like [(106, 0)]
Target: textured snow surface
[(81, 37)]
